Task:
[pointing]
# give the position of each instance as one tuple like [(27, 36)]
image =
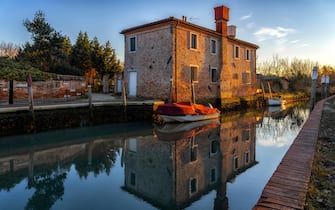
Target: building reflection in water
[(170, 167), (187, 161)]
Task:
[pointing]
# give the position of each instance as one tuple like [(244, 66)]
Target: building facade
[(173, 59)]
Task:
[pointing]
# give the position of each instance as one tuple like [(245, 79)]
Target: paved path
[(60, 103), (287, 188)]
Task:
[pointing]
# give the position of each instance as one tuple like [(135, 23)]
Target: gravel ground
[(321, 193)]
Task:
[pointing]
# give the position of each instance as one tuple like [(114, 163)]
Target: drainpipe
[(174, 62)]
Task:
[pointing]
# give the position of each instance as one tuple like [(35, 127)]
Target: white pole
[(314, 78)]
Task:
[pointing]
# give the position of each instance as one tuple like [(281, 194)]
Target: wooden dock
[(287, 188)]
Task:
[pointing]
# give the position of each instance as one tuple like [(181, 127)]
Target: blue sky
[(289, 28)]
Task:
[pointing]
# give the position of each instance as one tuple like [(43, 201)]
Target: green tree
[(97, 55), (47, 51), (111, 63), (81, 53)]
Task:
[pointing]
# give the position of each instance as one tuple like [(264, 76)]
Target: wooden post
[(89, 96), (124, 95), (269, 86), (30, 93), (31, 102), (193, 93), (11, 92), (171, 93), (314, 78)]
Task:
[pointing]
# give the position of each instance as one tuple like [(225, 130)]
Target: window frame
[(130, 48), (215, 49), (217, 75), (247, 54), (195, 41), (193, 182), (246, 78), (246, 134), (214, 147), (236, 163), (213, 172), (194, 76), (237, 50), (247, 157), (132, 179)]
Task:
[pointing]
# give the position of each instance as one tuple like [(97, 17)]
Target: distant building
[(163, 58)]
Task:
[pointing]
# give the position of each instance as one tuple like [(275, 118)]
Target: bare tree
[(9, 49)]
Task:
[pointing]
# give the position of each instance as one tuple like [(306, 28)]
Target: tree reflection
[(101, 158), (49, 188)]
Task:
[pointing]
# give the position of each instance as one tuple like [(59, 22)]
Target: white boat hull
[(275, 102), (189, 118), (178, 131)]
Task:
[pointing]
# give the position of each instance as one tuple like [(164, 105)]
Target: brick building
[(164, 58)]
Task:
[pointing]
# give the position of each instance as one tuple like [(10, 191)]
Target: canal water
[(216, 164)]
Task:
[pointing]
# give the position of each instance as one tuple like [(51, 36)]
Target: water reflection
[(169, 167), (277, 125)]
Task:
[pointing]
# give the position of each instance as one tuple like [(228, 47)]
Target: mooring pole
[(193, 93), (30, 93), (124, 94), (89, 95), (89, 86), (11, 92), (314, 78), (31, 102)]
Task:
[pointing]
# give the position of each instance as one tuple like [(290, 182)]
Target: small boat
[(186, 112), (179, 131), (275, 102)]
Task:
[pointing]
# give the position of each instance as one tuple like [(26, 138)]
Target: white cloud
[(269, 33), (304, 45), (246, 17), (295, 41)]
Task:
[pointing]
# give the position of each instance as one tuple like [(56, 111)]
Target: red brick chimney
[(221, 19)]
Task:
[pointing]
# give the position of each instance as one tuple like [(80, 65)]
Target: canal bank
[(295, 184), (65, 113)]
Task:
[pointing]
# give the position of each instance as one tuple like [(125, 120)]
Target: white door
[(132, 83), (119, 86)]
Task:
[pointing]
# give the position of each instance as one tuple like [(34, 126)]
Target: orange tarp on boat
[(184, 108)]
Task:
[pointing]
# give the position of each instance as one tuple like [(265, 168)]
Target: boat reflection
[(178, 131), (169, 167)]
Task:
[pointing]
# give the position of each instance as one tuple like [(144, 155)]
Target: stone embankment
[(18, 119)]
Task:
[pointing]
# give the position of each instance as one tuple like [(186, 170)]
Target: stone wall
[(44, 89), (19, 122), (243, 70), (202, 59), (150, 62)]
